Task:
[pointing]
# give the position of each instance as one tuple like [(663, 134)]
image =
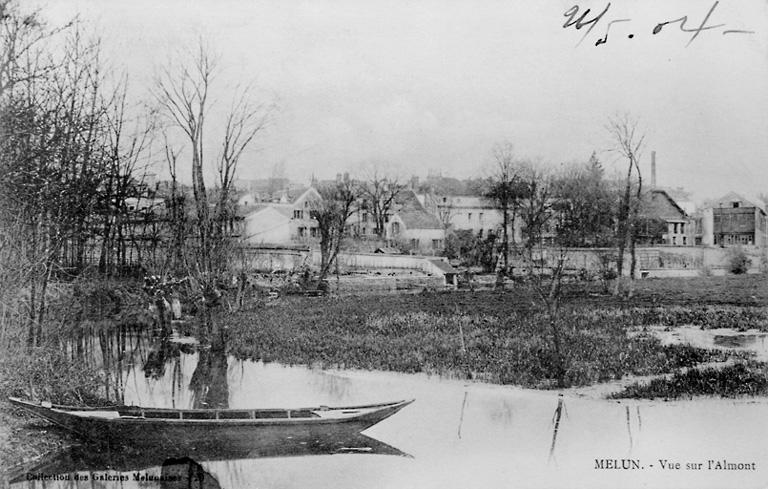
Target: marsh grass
[(490, 340), (705, 317), (50, 374), (741, 379)]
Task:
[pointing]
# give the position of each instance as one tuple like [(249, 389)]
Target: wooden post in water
[(556, 420), (461, 418)]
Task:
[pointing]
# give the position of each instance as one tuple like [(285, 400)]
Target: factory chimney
[(653, 169)]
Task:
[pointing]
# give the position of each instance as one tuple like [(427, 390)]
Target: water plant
[(748, 378)]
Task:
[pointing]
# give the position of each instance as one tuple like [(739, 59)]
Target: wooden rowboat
[(153, 426)]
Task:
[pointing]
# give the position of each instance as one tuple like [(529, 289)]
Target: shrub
[(738, 261)]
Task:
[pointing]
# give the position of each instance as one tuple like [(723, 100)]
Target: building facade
[(732, 220), (282, 222)]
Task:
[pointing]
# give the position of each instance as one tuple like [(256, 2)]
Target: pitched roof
[(419, 219), (735, 197), (466, 201), (284, 209), (388, 250), (445, 267), (661, 205)]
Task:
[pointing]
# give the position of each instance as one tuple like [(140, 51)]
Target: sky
[(432, 86)]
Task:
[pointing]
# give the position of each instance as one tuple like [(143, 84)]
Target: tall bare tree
[(629, 142), (244, 121), (183, 91), (506, 190)]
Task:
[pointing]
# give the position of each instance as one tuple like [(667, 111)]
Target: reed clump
[(747, 378), (418, 334)]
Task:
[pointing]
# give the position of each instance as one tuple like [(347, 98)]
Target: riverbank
[(24, 438), (490, 336)]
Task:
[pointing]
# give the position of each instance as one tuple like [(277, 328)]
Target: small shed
[(388, 250)]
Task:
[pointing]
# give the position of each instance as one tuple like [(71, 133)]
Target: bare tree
[(23, 54), (379, 192), (183, 92), (244, 121), (506, 190), (178, 212), (53, 160), (331, 214), (629, 142), (127, 155)]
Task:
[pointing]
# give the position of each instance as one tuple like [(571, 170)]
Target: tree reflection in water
[(118, 350), (185, 473), (209, 386)]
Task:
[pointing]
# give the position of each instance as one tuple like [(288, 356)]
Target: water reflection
[(185, 473), (721, 338), (173, 461), (209, 384), (459, 434)]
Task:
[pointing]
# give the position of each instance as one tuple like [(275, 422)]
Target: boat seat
[(193, 414)]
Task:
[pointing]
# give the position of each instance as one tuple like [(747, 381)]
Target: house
[(288, 221), (732, 220), (471, 213), (268, 224), (410, 224), (663, 221)]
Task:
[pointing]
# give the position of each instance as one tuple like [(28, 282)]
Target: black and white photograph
[(343, 244)]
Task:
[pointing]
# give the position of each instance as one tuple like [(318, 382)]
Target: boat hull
[(89, 425)]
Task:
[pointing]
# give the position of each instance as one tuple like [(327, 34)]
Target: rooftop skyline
[(432, 86)]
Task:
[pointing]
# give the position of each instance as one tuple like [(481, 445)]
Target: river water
[(455, 435)]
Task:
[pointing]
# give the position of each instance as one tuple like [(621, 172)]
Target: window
[(306, 204), (437, 244), (685, 240), (395, 228), (313, 232), (302, 232), (365, 217), (480, 217), (298, 214), (415, 242), (736, 205), (469, 216), (480, 234)]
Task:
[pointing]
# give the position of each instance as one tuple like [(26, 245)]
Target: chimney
[(653, 169), (414, 182)]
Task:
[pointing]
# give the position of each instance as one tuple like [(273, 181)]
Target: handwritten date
[(579, 19)]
